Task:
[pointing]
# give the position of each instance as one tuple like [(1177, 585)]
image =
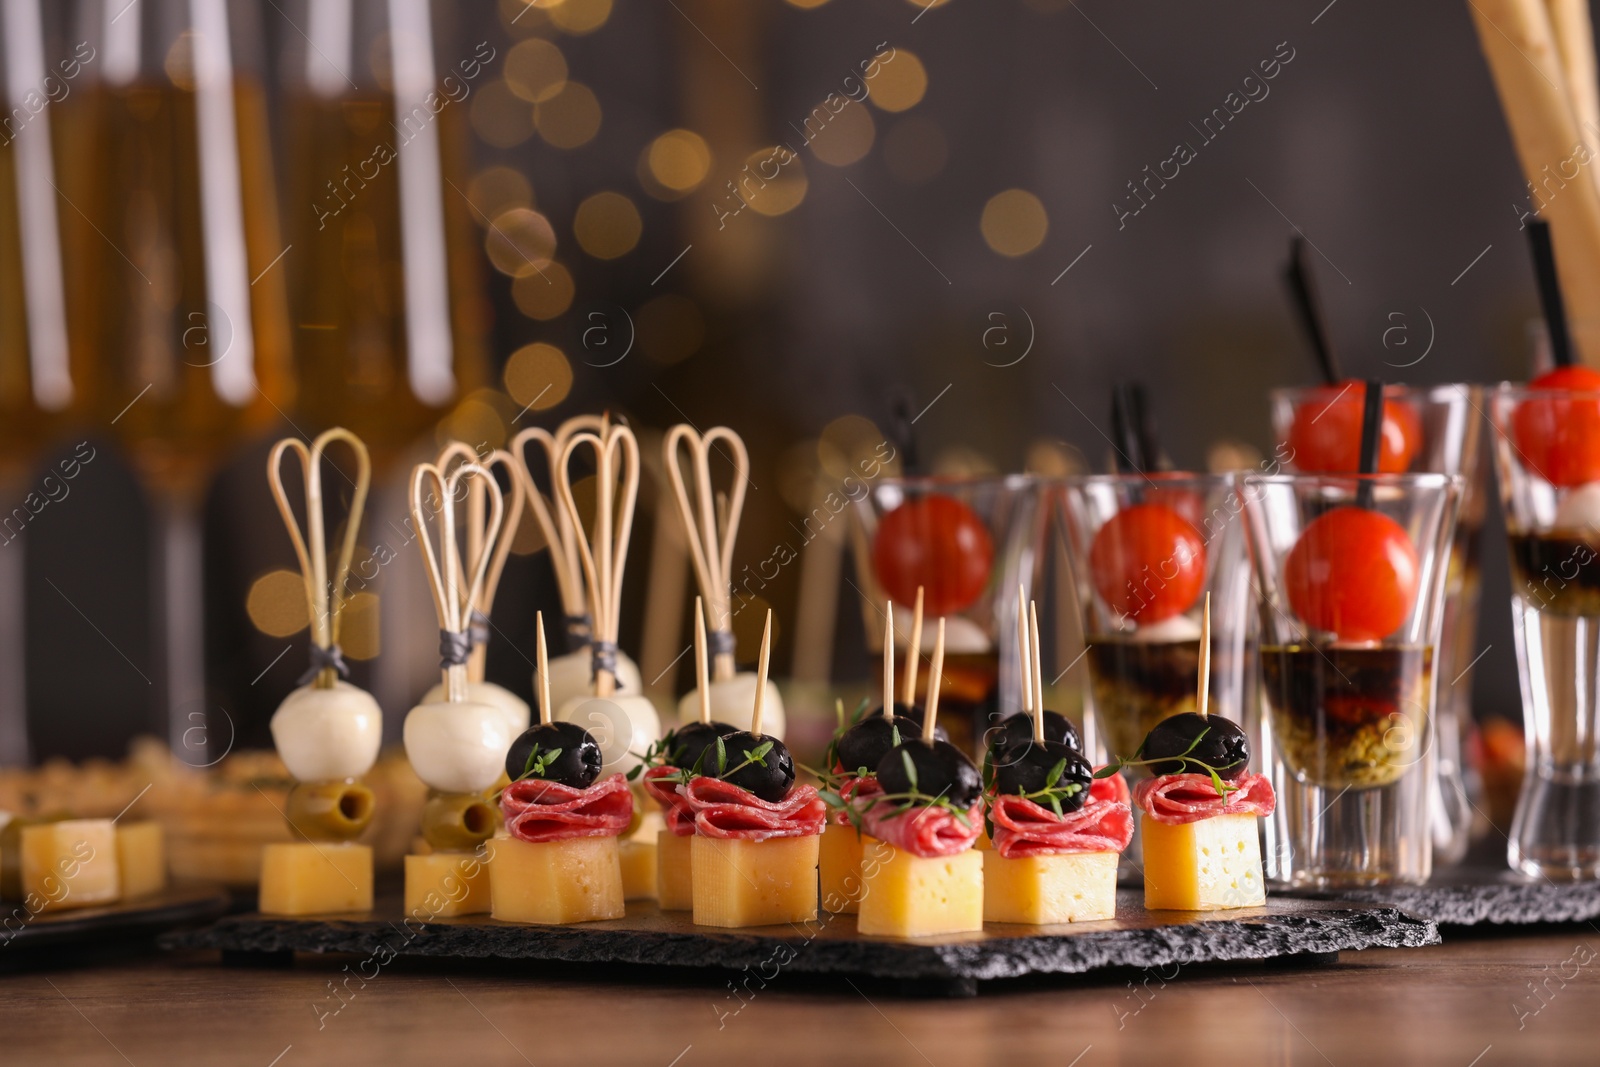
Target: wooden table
[(1467, 1002)]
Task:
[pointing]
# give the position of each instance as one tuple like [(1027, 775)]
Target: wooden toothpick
[(702, 669), (1203, 693), (761, 676), (1024, 657), (544, 667), (935, 668), (913, 651), (1037, 672), (710, 518), (888, 660)]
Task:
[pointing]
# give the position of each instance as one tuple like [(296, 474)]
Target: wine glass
[(187, 330), (384, 282), (36, 388)]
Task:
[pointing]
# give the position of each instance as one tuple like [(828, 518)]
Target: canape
[(327, 731), (920, 875), (753, 854), (559, 862), (1200, 841), (852, 779), (1057, 831), (679, 757), (455, 744)]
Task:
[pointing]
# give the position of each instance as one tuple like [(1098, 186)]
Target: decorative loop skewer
[(710, 524)]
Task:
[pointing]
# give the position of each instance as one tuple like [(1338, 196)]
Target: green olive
[(458, 822), (329, 811)]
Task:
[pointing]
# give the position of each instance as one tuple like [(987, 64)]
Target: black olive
[(770, 778), (1028, 770), (1223, 746), (941, 770), (578, 761), (685, 745), (864, 744), (1016, 730)]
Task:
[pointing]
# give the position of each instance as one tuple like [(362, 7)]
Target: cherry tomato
[(1353, 573), (1560, 438), (1326, 433), (1148, 563), (939, 543)]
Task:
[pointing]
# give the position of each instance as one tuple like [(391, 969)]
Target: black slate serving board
[(950, 966), (171, 907), (1483, 896)]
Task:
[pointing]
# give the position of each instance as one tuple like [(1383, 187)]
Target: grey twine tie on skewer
[(481, 542), (710, 530), (561, 533), (452, 592), (603, 560), (325, 603)]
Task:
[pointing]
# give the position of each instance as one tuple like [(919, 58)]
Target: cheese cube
[(550, 882), (141, 859), (70, 864), (1209, 865), (754, 883), (1070, 887), (442, 884), (674, 876), (315, 878), (839, 869), (638, 859), (905, 895)]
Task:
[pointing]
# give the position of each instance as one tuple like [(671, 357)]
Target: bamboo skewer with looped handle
[(452, 593), (477, 539), (710, 526), (325, 605), (572, 672), (560, 532), (605, 558)]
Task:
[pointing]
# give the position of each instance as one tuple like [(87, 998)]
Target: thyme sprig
[(538, 762), (682, 775), (1185, 761)]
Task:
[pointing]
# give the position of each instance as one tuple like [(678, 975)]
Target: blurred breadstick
[(1569, 19), (1519, 43)]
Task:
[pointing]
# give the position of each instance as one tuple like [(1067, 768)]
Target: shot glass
[(1547, 456), (1144, 551), (969, 542), (1443, 432), (1350, 574)]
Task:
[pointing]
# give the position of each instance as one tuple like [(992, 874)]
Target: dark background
[(1381, 141)]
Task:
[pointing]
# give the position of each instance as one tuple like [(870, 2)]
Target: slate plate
[(950, 965), (174, 906), (1478, 896)]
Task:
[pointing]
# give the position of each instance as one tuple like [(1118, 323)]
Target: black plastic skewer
[(1308, 309), (1555, 311), (1371, 434), (1144, 427), (1124, 433)]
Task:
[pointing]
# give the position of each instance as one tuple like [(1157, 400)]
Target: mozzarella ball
[(1176, 628), (512, 706), (960, 634), (572, 678), (328, 734), (623, 726), (457, 748), (733, 701), (1579, 508)]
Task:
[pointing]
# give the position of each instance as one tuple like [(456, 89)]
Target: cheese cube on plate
[(315, 878), (556, 882), (1071, 887), (906, 895), (754, 883), (1210, 865)]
